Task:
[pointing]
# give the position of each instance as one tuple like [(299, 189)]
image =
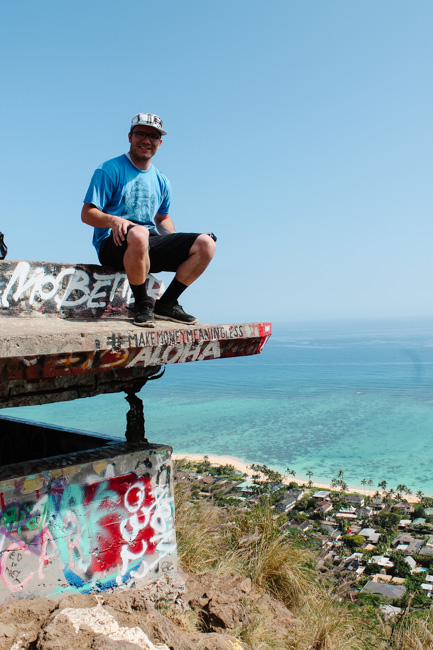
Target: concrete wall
[(65, 290), (90, 520)]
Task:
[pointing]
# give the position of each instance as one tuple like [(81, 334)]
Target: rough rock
[(218, 600), (133, 606), (103, 643), (128, 619), (26, 617), (91, 627), (283, 619), (215, 641)]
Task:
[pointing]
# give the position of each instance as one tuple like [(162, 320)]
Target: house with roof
[(402, 538), (370, 535), (297, 494), (381, 560), (206, 480), (324, 507), (365, 512), (411, 562), (392, 592), (322, 494), (302, 526), (418, 521), (356, 500), (377, 504), (287, 504), (354, 563), (426, 551), (403, 523), (407, 543), (332, 532), (415, 546), (406, 507), (389, 611)]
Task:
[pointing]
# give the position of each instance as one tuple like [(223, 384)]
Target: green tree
[(353, 541), (387, 520), (382, 485), (343, 487)]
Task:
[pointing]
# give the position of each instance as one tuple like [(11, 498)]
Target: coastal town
[(378, 547)]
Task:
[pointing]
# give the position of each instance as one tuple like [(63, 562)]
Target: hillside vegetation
[(248, 542)]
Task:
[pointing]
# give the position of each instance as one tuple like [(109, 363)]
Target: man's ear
[(129, 136)]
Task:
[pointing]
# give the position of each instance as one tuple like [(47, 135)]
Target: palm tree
[(343, 487), (291, 472), (335, 483), (420, 495), (310, 474), (340, 473), (364, 483), (382, 485), (370, 482), (389, 496)]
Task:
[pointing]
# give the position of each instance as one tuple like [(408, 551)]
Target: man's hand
[(91, 215), (119, 229)]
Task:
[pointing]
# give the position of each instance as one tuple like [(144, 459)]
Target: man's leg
[(132, 256), (199, 257), (136, 262)]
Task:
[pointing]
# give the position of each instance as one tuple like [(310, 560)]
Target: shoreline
[(244, 467)]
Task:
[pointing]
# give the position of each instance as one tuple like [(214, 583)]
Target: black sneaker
[(173, 311), (144, 316)]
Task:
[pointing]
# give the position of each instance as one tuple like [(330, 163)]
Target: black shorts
[(166, 252)]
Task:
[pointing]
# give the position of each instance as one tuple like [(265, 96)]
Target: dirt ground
[(206, 612)]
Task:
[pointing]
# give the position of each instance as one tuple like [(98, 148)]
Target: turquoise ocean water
[(355, 395)]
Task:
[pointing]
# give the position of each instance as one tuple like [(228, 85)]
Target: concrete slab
[(50, 360), (89, 521), (57, 344)]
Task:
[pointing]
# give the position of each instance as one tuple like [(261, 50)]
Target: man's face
[(143, 147)]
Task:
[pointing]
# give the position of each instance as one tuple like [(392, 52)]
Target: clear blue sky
[(300, 132)]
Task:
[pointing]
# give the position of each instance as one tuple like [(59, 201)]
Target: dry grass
[(230, 540), (414, 634)]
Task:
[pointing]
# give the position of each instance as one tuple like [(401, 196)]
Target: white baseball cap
[(148, 119)]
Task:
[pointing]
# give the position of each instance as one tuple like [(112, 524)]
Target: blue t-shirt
[(119, 187)]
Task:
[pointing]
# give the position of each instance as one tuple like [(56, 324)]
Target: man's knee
[(138, 239), (205, 246)]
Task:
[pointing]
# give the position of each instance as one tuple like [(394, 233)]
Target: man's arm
[(91, 215), (164, 224)]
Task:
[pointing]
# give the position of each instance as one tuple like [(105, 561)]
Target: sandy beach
[(244, 467)]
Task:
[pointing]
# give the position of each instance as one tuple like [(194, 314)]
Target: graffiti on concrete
[(55, 288), (77, 536), (79, 363)]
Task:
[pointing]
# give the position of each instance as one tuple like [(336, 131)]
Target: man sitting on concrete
[(127, 204)]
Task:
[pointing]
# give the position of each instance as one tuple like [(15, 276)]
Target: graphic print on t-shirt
[(139, 203)]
